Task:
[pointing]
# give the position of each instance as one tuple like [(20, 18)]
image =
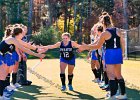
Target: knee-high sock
[(2, 87), (7, 81), (116, 83), (14, 78), (99, 73), (112, 86), (70, 77), (122, 86), (62, 76), (106, 78), (95, 73)]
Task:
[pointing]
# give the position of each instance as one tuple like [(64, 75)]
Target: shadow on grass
[(28, 92), (80, 95), (33, 92), (133, 94)]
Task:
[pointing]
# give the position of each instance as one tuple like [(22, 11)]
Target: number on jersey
[(115, 46), (66, 54)]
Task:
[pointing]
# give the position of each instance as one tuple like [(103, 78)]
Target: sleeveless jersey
[(66, 52), (114, 41)]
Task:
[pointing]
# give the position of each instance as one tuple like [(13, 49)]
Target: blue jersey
[(66, 52)]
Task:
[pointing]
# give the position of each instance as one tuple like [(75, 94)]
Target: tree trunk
[(1, 17), (65, 18), (30, 19), (50, 15), (81, 23), (89, 7), (75, 14), (18, 11), (125, 2)]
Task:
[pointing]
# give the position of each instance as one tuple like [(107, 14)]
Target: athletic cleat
[(118, 93), (111, 98), (121, 97), (1, 97), (70, 87), (7, 94), (108, 94), (96, 80), (10, 87), (105, 87), (17, 85), (6, 98), (63, 88), (102, 85)]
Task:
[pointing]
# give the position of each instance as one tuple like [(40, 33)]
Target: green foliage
[(1, 35), (46, 36), (106, 5)]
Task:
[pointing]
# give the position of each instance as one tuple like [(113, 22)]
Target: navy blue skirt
[(70, 62)]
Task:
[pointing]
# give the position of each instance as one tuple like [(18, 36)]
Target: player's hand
[(88, 57), (41, 50), (82, 48), (41, 55), (24, 57)]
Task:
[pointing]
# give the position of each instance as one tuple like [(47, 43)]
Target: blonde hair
[(66, 34)]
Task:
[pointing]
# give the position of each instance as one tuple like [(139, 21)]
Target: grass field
[(46, 82)]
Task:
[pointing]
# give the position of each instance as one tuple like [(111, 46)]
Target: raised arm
[(26, 50), (98, 45), (75, 45), (122, 41), (52, 46), (27, 45)]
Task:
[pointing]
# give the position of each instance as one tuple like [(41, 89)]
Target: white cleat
[(111, 98), (121, 97), (4, 98), (10, 88), (16, 85), (1, 97), (96, 80)]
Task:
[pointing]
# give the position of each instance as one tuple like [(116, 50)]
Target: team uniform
[(113, 55), (93, 53), (67, 56), (6, 51), (113, 52), (67, 53), (15, 56)]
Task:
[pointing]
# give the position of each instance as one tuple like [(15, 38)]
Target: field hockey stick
[(36, 64)]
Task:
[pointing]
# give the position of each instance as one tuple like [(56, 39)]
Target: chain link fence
[(133, 43)]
